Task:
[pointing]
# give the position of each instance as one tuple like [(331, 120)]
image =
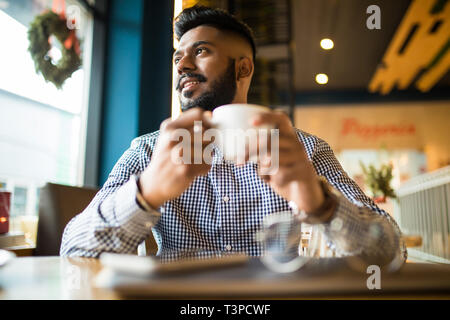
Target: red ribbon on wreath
[(59, 7)]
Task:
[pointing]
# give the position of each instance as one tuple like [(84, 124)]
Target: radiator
[(423, 209)]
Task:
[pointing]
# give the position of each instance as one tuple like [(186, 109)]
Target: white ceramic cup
[(235, 131)]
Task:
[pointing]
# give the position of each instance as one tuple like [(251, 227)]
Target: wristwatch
[(140, 198), (324, 213)]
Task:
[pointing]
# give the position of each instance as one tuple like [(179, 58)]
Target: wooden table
[(51, 278), (22, 251), (73, 278)]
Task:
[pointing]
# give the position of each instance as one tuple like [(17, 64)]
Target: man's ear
[(245, 68)]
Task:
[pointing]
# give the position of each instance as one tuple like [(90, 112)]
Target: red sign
[(368, 131)]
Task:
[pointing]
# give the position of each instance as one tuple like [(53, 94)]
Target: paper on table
[(143, 266)]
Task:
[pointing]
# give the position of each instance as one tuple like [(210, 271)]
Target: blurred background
[(369, 77)]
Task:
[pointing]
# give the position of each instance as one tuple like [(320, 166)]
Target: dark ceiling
[(350, 65), (357, 50)]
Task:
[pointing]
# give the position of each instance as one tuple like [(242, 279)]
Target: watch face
[(325, 212)]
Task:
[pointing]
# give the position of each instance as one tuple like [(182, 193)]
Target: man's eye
[(199, 50), (176, 60)]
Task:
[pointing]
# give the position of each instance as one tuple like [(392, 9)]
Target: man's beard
[(222, 92)]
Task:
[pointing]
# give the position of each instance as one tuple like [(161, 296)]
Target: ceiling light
[(321, 78), (327, 44)]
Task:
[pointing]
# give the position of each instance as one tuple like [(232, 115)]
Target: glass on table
[(288, 243)]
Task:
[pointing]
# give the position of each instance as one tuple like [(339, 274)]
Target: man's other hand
[(295, 179), (167, 176)]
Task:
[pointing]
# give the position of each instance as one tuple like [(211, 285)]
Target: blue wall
[(122, 82), (138, 75), (156, 67)]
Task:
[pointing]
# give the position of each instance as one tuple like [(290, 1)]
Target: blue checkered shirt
[(221, 211)]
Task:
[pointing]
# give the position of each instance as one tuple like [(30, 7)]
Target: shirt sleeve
[(358, 227), (113, 221)]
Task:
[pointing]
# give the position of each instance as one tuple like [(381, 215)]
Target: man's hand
[(167, 177), (295, 179)]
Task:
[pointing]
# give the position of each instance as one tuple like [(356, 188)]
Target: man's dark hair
[(195, 16)]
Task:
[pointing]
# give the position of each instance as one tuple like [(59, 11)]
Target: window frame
[(92, 141)]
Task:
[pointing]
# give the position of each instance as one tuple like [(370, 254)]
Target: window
[(42, 129)]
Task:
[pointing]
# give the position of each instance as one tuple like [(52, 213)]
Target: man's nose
[(185, 64)]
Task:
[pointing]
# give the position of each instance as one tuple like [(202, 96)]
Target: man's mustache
[(199, 77)]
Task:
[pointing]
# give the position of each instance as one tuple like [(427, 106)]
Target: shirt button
[(228, 247), (225, 199)]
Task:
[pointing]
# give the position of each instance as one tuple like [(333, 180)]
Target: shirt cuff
[(357, 230), (129, 215)]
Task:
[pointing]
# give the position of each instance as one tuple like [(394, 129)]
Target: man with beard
[(220, 206)]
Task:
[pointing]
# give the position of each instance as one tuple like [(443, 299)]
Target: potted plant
[(378, 181)]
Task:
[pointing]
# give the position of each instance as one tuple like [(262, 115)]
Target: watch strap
[(140, 198), (322, 214)]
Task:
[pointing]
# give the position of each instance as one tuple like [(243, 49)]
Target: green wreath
[(43, 26)]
